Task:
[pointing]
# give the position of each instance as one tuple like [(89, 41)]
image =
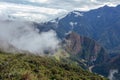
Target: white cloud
[(111, 74), (39, 1), (24, 36), (29, 12), (44, 10)]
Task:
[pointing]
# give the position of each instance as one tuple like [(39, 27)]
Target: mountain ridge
[(100, 24)]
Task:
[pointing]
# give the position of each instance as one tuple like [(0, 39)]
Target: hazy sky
[(44, 10)]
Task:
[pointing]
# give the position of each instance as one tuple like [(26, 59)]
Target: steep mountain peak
[(105, 6)]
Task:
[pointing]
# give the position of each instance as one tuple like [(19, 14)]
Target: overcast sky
[(44, 10)]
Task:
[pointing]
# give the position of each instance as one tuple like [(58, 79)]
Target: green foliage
[(33, 67)]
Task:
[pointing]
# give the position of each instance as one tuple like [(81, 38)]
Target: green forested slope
[(32, 67)]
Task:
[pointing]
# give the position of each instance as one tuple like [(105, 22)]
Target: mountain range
[(99, 26)]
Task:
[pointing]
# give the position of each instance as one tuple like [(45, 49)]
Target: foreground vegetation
[(33, 67)]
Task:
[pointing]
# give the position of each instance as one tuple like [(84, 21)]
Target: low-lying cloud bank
[(45, 10), (25, 37), (111, 74)]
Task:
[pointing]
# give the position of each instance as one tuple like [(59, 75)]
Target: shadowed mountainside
[(84, 48)]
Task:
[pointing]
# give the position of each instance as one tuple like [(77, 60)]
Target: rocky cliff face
[(85, 48)]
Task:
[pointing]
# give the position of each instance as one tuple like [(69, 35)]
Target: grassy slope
[(31, 67)]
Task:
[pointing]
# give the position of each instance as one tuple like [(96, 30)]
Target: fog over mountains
[(86, 32), (25, 37)]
